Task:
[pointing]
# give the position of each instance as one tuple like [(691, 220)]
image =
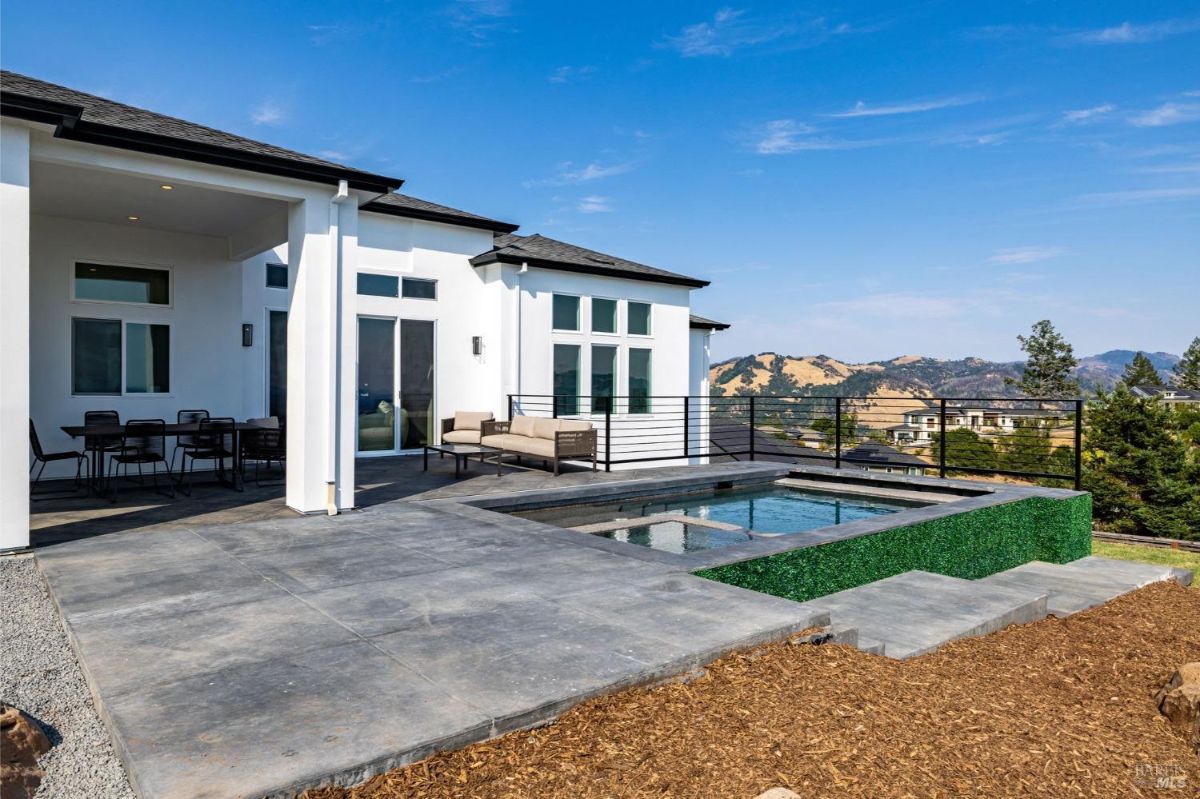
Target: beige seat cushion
[(471, 420), (505, 441), (523, 445), (522, 426), (574, 425), (461, 437), (546, 428)]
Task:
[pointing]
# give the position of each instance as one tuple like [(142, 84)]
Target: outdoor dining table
[(171, 429)]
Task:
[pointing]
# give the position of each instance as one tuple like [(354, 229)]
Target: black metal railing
[(1029, 439)]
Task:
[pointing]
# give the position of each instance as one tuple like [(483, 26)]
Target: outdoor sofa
[(464, 427), (549, 439)]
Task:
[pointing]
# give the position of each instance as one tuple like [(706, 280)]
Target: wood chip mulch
[(1059, 708)]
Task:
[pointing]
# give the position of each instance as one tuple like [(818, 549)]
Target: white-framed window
[(640, 379), (566, 379), (277, 276), (373, 284), (604, 377), (418, 288), (639, 322), (115, 357), (121, 284), (565, 312), (604, 315)]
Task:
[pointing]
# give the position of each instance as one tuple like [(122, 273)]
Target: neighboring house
[(872, 456), (150, 265), (921, 425), (1169, 394)]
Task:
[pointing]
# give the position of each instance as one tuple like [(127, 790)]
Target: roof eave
[(709, 326), (69, 125), (492, 257), (492, 225)]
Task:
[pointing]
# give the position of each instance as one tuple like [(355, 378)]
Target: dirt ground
[(1059, 708)]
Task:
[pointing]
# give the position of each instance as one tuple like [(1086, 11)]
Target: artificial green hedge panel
[(971, 544)]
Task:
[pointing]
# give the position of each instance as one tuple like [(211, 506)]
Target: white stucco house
[(151, 265), (920, 426)]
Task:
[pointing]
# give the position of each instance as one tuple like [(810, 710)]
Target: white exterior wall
[(204, 316), (698, 355)]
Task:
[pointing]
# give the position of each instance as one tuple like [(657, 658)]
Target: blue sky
[(856, 179)]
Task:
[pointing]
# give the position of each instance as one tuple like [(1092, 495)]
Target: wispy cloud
[(1138, 196), (1084, 116), (730, 30), (1167, 114), (1129, 33), (569, 74), (269, 112), (782, 136), (861, 109), (594, 204), (436, 77), (1025, 255), (569, 174), (330, 33), (479, 19)]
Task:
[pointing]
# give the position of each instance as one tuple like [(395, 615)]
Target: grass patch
[(1157, 555)]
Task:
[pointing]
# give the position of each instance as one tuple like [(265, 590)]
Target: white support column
[(347, 411), (14, 332)]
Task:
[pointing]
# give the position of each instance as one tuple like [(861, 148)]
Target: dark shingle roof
[(874, 453), (414, 208), (539, 251), (700, 323), (86, 117)]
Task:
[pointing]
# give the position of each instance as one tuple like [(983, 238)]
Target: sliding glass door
[(395, 384)]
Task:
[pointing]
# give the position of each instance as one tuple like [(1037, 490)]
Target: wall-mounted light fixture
[(477, 345), (247, 335)]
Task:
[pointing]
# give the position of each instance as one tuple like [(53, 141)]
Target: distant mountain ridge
[(906, 375)]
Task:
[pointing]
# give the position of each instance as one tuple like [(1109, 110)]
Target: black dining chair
[(98, 446), (266, 445), (144, 443), (214, 442), (187, 441), (40, 456)]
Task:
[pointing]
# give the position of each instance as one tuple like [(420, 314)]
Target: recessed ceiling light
[(166, 187), (133, 218)]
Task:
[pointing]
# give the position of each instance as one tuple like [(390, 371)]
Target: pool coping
[(975, 495)]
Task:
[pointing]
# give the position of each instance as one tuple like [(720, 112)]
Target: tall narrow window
[(133, 284), (566, 379), (96, 356), (604, 377), (147, 359), (639, 380), (277, 365), (604, 316), (639, 318), (416, 383), (566, 312)]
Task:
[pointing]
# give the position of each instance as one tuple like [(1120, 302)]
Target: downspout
[(335, 349), (520, 325)]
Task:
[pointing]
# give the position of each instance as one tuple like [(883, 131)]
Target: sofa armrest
[(575, 443), (447, 425), (493, 428)]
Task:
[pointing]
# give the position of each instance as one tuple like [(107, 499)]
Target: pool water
[(771, 510)]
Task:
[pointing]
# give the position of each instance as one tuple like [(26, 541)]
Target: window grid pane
[(566, 312), (604, 316), (639, 381), (378, 285), (277, 276), (566, 379), (639, 319), (604, 377), (106, 283), (418, 289), (147, 359), (96, 356)]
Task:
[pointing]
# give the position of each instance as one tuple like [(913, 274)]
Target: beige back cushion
[(546, 428), (522, 426), (574, 425), (471, 420)]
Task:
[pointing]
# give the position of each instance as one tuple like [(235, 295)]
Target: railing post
[(510, 407), (837, 432), (1078, 444), (751, 427), (687, 429), (554, 406), (942, 439), (608, 437)]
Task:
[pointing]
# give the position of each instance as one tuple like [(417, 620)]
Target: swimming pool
[(713, 519)]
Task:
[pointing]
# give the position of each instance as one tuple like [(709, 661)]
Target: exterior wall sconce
[(477, 345), (247, 335)]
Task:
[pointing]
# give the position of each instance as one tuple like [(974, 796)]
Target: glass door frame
[(397, 344)]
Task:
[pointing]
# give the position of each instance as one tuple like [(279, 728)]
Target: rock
[(23, 740), (778, 793), (1179, 701)]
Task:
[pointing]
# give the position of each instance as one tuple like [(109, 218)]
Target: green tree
[(965, 449), (1187, 371), (1140, 372), (1138, 467), (1027, 448), (1048, 364)]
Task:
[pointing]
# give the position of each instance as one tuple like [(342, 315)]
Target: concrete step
[(1084, 583), (917, 612)]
